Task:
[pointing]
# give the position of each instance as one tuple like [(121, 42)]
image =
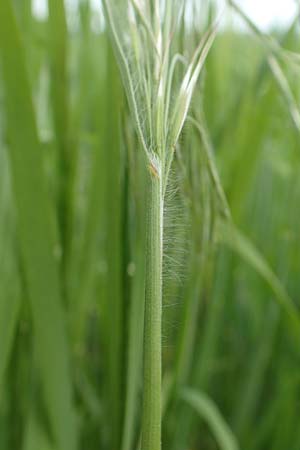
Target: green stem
[(151, 425)]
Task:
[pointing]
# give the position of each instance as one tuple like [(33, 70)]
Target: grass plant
[(149, 257)]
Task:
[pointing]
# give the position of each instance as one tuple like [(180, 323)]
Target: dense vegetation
[(105, 122)]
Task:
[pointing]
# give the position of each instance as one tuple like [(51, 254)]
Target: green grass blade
[(35, 437), (212, 329), (114, 301), (137, 289), (286, 91), (36, 228), (9, 311), (208, 411), (212, 168), (9, 274), (238, 242), (59, 88), (251, 388)]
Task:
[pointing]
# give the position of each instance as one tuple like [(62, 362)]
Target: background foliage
[(72, 243)]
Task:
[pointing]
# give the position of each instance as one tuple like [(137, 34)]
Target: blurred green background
[(72, 244)]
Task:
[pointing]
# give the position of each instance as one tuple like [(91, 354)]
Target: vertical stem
[(151, 425), (115, 299)]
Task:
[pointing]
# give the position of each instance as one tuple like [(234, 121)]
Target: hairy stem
[(151, 424)]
